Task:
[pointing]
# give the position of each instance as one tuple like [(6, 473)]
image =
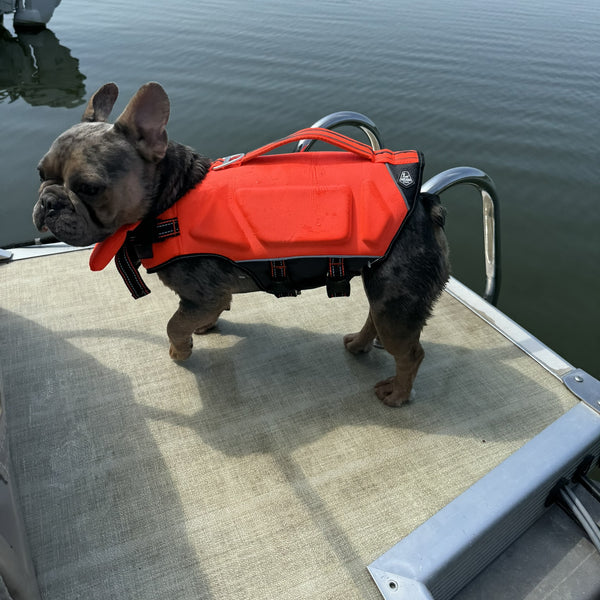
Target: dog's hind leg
[(404, 345), (402, 291), (189, 319), (401, 342)]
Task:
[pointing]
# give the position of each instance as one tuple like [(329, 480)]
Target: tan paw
[(356, 344), (391, 394), (180, 354), (205, 328)]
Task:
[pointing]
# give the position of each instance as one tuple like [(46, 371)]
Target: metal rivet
[(578, 378)]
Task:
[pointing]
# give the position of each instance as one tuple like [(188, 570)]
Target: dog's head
[(96, 176)]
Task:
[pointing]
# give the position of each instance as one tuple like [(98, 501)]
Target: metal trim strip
[(39, 250), (547, 358)]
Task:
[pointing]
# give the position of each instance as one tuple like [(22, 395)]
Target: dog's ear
[(101, 103), (144, 120)]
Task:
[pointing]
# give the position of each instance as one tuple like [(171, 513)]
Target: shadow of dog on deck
[(95, 489), (262, 386)]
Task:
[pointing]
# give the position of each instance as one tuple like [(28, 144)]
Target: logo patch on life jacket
[(405, 179)]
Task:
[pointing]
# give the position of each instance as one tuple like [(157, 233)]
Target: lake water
[(512, 88)]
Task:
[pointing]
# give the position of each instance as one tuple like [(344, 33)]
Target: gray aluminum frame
[(447, 551)]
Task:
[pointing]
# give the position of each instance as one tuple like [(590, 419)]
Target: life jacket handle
[(313, 133)]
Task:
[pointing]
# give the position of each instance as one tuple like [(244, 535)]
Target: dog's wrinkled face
[(95, 175), (91, 185)]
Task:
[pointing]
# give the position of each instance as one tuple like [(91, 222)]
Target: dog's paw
[(391, 394), (356, 343), (205, 328), (180, 354)]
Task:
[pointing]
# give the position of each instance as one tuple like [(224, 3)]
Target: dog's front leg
[(188, 320), (362, 341)]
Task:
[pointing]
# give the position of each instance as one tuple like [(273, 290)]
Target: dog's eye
[(89, 189), (41, 173)]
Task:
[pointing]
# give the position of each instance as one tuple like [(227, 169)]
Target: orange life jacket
[(292, 221)]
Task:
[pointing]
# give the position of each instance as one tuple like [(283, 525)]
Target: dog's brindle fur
[(97, 177)]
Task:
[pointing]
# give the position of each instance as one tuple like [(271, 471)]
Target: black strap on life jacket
[(337, 281), (128, 263), (281, 285), (138, 245)]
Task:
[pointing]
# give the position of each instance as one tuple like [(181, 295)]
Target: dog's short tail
[(434, 208)]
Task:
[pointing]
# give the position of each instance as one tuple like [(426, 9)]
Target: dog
[(98, 177)]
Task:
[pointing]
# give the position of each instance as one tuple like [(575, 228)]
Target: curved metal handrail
[(436, 185), (345, 117), (491, 231)]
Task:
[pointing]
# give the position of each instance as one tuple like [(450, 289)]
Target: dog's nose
[(47, 205), (50, 199)]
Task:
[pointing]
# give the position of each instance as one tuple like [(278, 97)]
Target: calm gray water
[(509, 87)]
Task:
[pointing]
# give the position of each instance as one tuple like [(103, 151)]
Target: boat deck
[(262, 467)]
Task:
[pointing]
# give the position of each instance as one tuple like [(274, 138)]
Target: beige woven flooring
[(264, 467)]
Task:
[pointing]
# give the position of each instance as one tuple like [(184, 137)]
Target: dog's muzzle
[(53, 199)]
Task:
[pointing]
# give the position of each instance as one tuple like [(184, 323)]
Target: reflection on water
[(508, 87), (34, 66)]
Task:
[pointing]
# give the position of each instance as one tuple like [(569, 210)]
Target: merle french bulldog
[(98, 177)]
